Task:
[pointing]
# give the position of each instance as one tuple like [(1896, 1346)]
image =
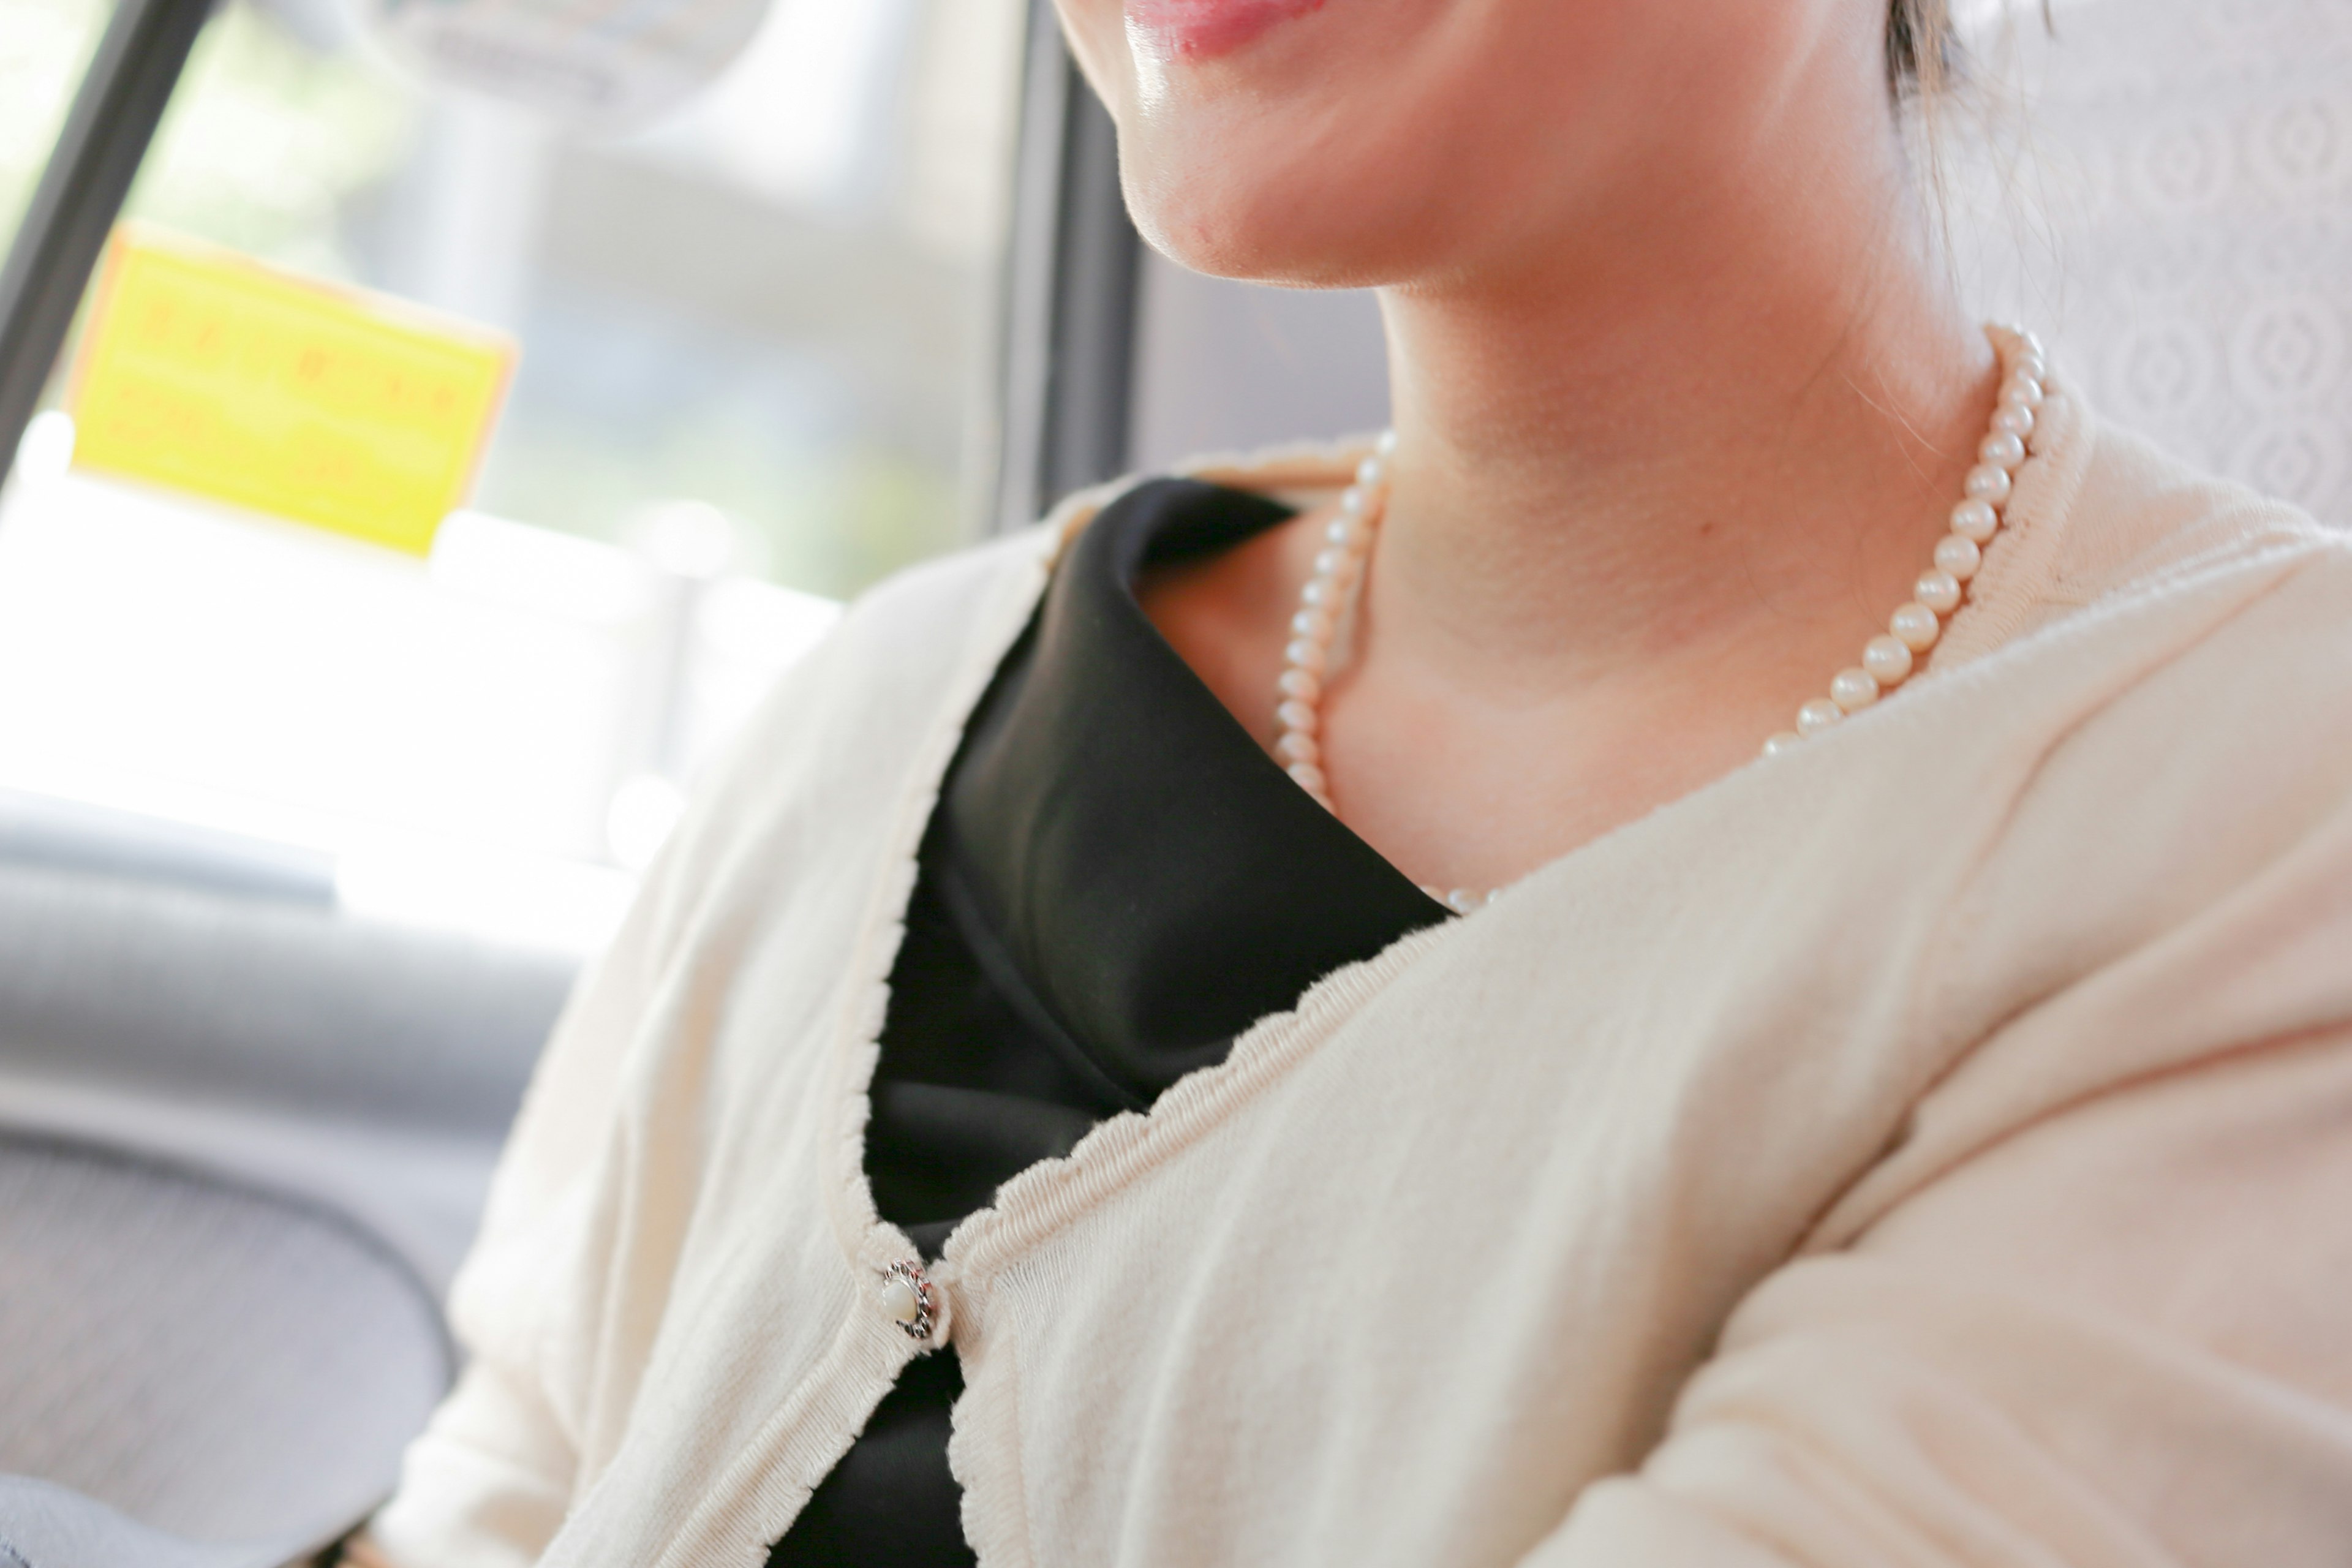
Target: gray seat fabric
[(43, 1525), (244, 1139), (219, 1363), (269, 1004), (37, 830), (371, 1068)]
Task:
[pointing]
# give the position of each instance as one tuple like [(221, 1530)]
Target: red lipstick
[(1195, 29)]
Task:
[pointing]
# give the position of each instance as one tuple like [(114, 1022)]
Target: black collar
[(1133, 870)]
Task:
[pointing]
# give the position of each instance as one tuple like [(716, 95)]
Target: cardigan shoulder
[(2163, 888), (907, 660), (2100, 515)]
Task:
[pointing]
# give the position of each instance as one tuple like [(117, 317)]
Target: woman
[(1080, 1008)]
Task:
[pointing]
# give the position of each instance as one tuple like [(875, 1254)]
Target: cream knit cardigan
[(1933, 1146)]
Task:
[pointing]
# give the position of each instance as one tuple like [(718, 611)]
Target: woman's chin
[(1230, 238), (1323, 224)]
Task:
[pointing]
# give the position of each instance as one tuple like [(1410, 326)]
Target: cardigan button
[(907, 1299)]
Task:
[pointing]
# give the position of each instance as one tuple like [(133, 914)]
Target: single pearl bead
[(902, 1300), (1817, 716), (1938, 590), (1295, 747), (1853, 689), (1349, 532), (1371, 472), (1959, 556), (1888, 660), (2021, 391), (1307, 655), (2013, 419), (1986, 482), (1460, 900), (1781, 741), (2002, 449), (1300, 684), (1976, 520), (2029, 342), (1312, 624), (1319, 592), (1342, 566), (1309, 777), (1915, 627), (1351, 502), (1299, 716), (1386, 444)]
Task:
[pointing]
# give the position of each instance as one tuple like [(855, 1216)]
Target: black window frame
[(105, 138)]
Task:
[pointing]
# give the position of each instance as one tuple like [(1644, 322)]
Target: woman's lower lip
[(1196, 29)]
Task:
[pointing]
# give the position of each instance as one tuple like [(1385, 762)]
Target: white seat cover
[(2180, 224)]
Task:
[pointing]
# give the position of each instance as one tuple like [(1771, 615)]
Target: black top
[(1117, 882)]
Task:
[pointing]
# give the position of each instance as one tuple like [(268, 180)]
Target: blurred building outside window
[(755, 341)]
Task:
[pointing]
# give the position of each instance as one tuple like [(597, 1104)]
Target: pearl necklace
[(1888, 661)]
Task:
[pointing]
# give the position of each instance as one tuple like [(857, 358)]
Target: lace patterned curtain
[(2164, 189)]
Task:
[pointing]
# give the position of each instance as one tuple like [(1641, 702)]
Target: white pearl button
[(909, 1300)]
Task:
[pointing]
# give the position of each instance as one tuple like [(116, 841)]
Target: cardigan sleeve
[(2117, 1337), (491, 1479), (551, 1304), (2092, 1304)]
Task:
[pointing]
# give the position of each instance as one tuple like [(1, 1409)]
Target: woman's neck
[(1652, 489), (1665, 440)]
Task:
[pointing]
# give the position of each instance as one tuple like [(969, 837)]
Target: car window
[(753, 342)]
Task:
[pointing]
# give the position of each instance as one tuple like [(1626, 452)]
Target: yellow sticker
[(208, 371)]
